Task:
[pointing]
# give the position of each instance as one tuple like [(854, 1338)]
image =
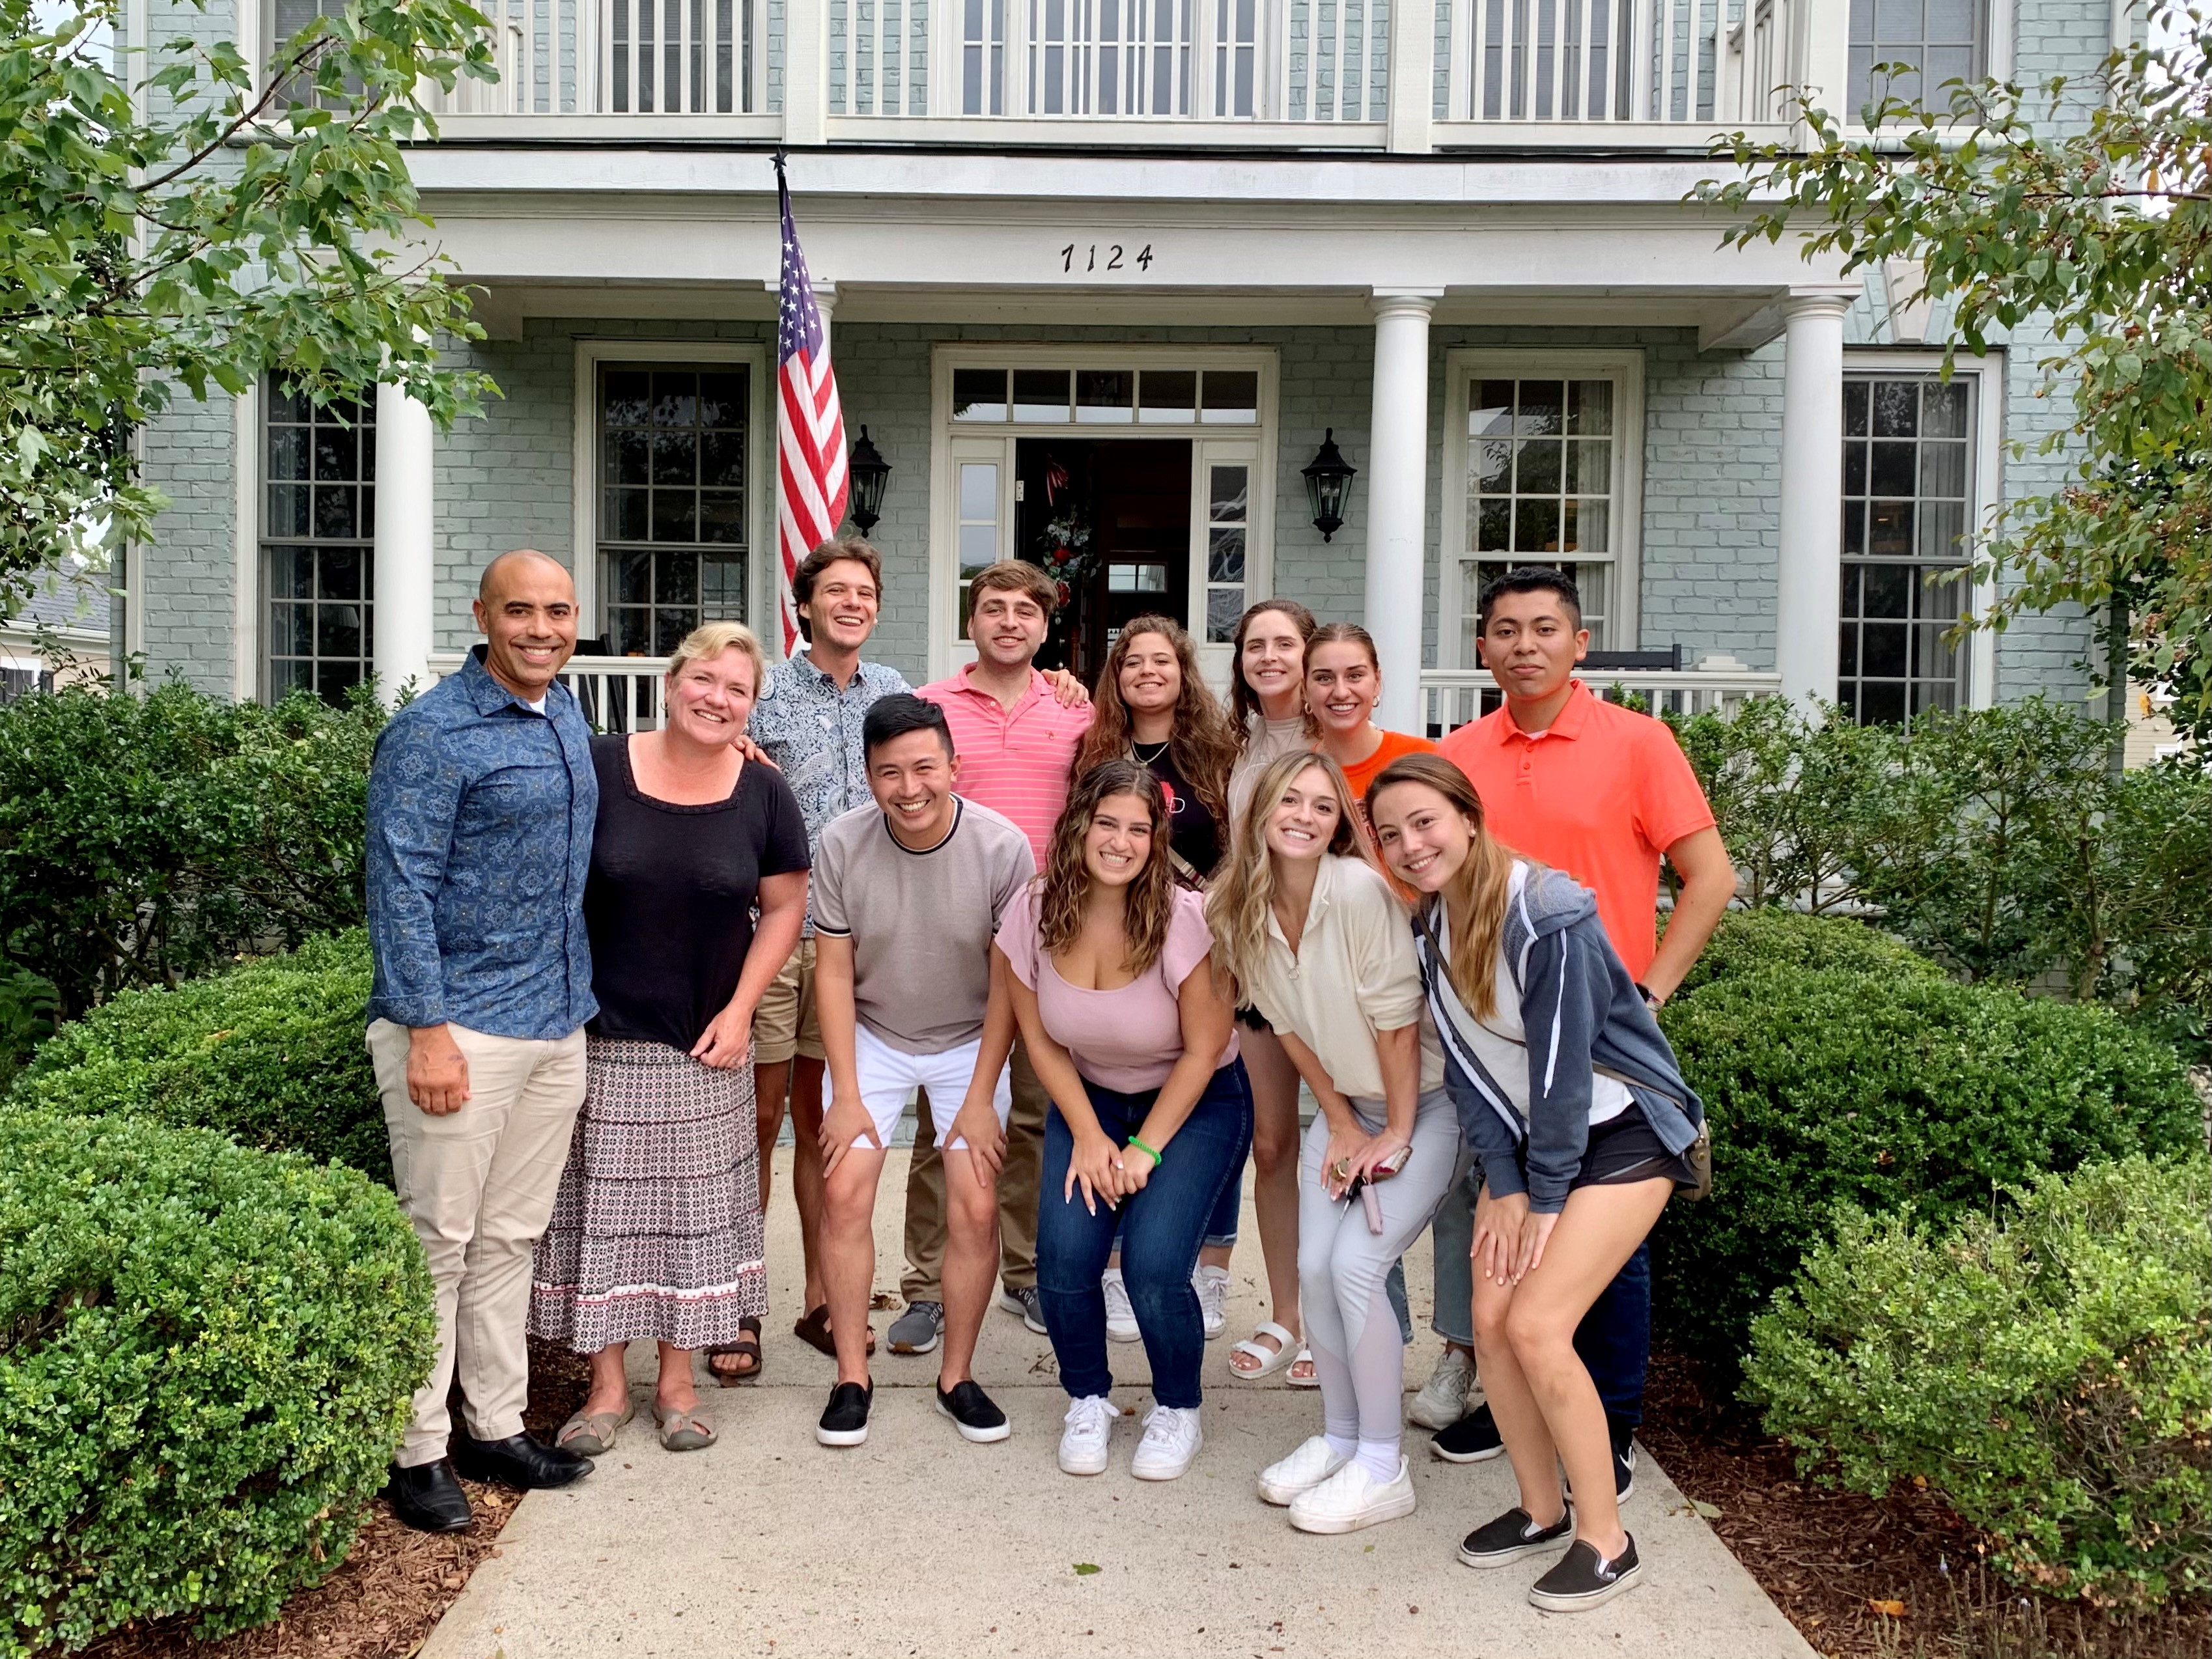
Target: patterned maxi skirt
[(656, 1233)]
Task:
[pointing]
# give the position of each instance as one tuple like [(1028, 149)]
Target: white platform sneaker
[(1083, 1442), (1121, 1317), (1352, 1498), (1313, 1462), (1211, 1284), (1172, 1437)]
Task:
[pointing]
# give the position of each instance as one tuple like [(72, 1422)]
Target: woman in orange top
[(1343, 680)]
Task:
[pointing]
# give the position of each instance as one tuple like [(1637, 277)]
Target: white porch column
[(405, 606), (1397, 499), (1808, 591)]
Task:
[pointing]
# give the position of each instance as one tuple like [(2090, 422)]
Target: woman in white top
[(1267, 705), (1571, 1101), (1319, 943)]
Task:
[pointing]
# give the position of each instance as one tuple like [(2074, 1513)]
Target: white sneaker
[(1083, 1442), (1352, 1498), (1172, 1437), (1309, 1465), (1211, 1284), (1442, 1399), (1121, 1317)]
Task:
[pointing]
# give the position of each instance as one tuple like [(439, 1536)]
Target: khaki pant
[(478, 1185), (1018, 1193)]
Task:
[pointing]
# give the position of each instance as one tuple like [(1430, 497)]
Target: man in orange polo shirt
[(1603, 793)]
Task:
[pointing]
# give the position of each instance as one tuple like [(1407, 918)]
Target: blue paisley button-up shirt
[(812, 730), (480, 815)]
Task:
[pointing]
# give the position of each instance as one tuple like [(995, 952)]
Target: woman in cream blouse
[(1319, 944)]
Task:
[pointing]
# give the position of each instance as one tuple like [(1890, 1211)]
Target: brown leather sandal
[(814, 1331), (746, 1350)]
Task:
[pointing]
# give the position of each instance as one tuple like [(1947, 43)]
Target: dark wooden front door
[(1129, 500)]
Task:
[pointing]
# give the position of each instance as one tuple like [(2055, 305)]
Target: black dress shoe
[(427, 1497), (517, 1460)]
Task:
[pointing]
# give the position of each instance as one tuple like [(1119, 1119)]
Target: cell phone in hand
[(1364, 1186)]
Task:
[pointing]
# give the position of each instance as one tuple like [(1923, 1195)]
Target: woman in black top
[(1152, 704), (656, 1231)]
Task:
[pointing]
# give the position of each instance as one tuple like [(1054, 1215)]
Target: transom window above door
[(673, 542), (1106, 396)]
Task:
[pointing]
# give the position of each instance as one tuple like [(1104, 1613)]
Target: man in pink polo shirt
[(1015, 743)]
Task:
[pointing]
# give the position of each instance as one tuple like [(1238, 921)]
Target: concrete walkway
[(920, 1544)]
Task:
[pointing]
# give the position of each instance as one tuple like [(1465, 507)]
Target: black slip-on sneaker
[(1513, 1535), (1473, 1439), (845, 1419), (1585, 1579), (973, 1414)]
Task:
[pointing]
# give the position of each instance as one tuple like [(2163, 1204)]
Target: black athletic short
[(1253, 1018), (1626, 1149)]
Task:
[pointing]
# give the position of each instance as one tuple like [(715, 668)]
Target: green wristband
[(1152, 1151)]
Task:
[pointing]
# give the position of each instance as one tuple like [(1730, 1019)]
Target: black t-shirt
[(1192, 831), (669, 901)]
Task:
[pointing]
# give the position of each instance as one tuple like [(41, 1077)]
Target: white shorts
[(888, 1076)]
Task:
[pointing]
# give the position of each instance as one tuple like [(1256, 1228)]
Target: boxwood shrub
[(1747, 941), (270, 1052), (2043, 1371), (206, 1356), (1889, 1092)]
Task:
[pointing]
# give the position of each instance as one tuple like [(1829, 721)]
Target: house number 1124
[(1104, 256)]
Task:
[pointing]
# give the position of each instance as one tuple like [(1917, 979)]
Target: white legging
[(1358, 1354)]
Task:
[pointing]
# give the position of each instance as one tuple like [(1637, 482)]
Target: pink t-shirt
[(1127, 1039), (1014, 760)]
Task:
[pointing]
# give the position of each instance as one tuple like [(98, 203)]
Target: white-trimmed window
[(1543, 465), (1926, 42), (317, 531), (1911, 491)]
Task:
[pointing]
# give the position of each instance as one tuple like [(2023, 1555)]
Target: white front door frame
[(952, 443)]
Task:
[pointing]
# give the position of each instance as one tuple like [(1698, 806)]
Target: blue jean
[(1221, 1225), (1164, 1223), (1615, 1339)]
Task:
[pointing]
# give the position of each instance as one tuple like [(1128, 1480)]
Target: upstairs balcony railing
[(1405, 74)]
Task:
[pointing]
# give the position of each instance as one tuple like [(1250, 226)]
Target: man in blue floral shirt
[(481, 802)]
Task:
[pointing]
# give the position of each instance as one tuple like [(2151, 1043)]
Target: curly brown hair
[(1200, 743), (1064, 886)]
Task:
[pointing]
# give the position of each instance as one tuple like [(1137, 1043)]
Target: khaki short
[(786, 1023)]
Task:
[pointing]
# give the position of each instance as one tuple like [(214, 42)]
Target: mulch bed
[(396, 1585), (1865, 1576)]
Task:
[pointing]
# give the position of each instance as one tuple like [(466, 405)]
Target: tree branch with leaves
[(183, 221), (2087, 208)]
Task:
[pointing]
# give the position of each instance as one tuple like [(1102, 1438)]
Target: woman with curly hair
[(1152, 705), (1131, 1032)]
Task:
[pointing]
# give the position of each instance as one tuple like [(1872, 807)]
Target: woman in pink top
[(1134, 1036)]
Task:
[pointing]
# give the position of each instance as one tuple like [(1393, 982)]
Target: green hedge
[(2043, 1371), (1747, 941), (1887, 1092), (206, 1356), (271, 1053)]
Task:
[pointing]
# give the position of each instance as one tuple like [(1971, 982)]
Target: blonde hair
[(1473, 902), (710, 640), (1244, 885)]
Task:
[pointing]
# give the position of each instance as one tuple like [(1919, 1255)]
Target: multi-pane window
[(1229, 515), (1542, 468), (672, 502), (1908, 485), (979, 520), (1923, 43), (1106, 396), (318, 520), (983, 57)]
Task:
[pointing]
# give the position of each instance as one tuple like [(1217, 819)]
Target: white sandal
[(1271, 1360), (1297, 1382)]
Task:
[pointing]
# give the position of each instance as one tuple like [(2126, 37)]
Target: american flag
[(810, 427)]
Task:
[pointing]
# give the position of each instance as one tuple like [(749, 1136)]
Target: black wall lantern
[(1328, 484), (868, 472)]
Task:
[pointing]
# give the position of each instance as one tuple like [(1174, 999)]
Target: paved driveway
[(920, 1544)]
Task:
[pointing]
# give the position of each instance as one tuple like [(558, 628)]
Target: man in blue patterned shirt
[(808, 723), (481, 802)]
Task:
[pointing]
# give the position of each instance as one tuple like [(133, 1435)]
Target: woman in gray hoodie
[(1571, 1101)]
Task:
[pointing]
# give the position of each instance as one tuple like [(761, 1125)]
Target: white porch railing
[(1542, 71), (617, 694), (1450, 697)]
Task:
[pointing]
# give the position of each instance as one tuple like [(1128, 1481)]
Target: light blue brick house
[(1163, 248)]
